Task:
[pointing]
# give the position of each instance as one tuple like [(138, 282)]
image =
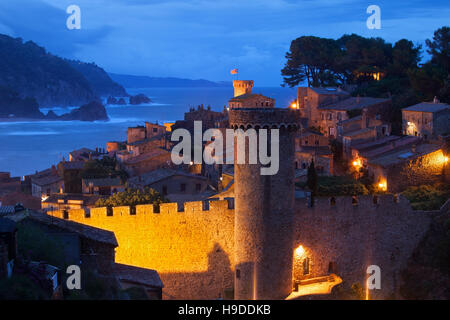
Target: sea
[(28, 146)]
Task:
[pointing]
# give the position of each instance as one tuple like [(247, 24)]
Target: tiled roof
[(246, 96), (428, 107), (160, 174), (400, 155), (105, 182), (156, 152), (73, 165), (354, 103), (146, 277), (85, 231), (90, 199), (329, 90)]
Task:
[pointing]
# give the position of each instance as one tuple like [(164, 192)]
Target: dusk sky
[(207, 38)]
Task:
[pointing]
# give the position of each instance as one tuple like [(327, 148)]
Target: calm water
[(29, 146)]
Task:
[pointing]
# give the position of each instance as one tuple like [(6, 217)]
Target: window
[(339, 116), (330, 116), (155, 129), (198, 187), (164, 190), (317, 142), (238, 274), (183, 187), (306, 266), (306, 141), (65, 214), (331, 267)]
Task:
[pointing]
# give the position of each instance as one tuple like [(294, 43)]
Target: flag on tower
[(234, 71)]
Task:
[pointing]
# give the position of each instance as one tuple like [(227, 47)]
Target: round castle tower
[(242, 87), (264, 206)]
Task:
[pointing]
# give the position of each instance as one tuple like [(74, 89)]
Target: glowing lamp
[(445, 159), (299, 251), (294, 105)]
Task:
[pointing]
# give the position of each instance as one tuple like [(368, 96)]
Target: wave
[(31, 133)]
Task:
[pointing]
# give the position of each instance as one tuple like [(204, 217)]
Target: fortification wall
[(190, 247), (345, 238)]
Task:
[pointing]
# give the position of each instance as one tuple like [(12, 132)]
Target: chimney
[(435, 100)]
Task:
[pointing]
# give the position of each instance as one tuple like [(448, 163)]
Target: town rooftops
[(84, 199), (318, 150), (428, 107), (136, 275), (400, 155), (354, 103), (155, 152), (161, 174), (329, 90), (104, 182), (88, 232), (154, 138), (388, 146), (45, 177), (73, 165), (246, 96)]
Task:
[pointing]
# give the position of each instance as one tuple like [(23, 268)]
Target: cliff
[(13, 106), (31, 71)]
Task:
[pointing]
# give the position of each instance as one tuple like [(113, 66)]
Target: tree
[(312, 59), (405, 56), (439, 48), (311, 181), (132, 197)]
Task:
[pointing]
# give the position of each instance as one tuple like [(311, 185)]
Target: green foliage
[(427, 197), (20, 287), (34, 244), (340, 186), (132, 197)]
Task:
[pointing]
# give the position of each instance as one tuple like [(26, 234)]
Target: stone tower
[(242, 87), (264, 206)]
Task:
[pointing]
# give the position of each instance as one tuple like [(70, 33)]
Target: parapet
[(207, 207), (268, 118), (346, 204)]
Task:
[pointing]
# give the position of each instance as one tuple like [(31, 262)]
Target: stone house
[(326, 107), (426, 119), (46, 182), (103, 186), (311, 145), (171, 183)]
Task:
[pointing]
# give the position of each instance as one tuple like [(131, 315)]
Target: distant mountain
[(31, 71), (130, 81), (98, 79)]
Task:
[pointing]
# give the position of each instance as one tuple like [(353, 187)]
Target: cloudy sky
[(206, 38)]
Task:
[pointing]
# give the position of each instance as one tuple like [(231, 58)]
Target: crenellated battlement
[(322, 205), (207, 206), (356, 202)]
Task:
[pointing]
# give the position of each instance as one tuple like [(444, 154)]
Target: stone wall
[(345, 238), (193, 248)]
